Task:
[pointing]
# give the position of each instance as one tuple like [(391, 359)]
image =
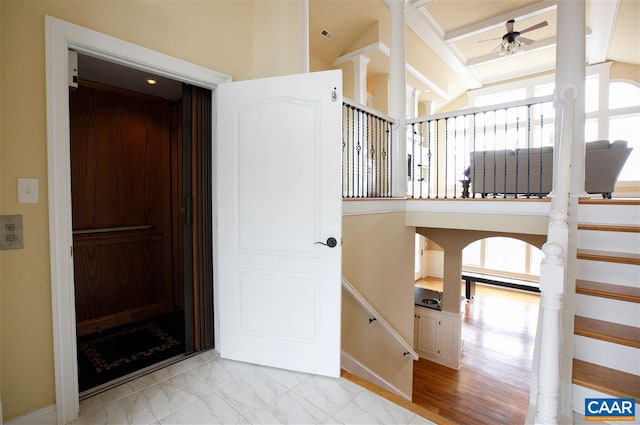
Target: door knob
[(331, 243)]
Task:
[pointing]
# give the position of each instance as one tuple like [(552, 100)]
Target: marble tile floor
[(206, 389)]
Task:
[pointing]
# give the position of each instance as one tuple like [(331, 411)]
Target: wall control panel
[(11, 232)]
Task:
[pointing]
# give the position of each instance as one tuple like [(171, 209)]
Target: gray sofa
[(530, 171)]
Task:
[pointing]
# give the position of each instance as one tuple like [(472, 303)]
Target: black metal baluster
[(455, 155), (506, 133), (412, 160), (517, 149), (495, 163), (484, 150), (350, 152), (437, 154), (428, 165), (541, 145), (473, 179), (389, 156), (446, 154), (377, 155), (528, 151), (421, 156)]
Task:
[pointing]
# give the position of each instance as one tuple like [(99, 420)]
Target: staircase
[(607, 304)]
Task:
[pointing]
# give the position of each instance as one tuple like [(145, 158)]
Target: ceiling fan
[(512, 40)]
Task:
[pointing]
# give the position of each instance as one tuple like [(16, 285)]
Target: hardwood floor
[(492, 385)]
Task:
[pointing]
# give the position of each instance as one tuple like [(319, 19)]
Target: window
[(627, 127), (591, 93), (619, 121), (624, 124), (623, 94), (503, 256)]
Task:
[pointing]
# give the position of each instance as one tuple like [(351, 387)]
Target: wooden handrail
[(377, 317)]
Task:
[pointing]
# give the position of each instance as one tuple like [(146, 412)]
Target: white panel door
[(279, 192)]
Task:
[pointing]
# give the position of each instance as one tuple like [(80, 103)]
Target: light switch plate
[(11, 232), (28, 191)]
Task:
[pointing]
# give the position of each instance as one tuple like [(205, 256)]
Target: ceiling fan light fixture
[(510, 47)]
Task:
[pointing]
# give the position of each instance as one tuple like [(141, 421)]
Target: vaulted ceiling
[(452, 45)]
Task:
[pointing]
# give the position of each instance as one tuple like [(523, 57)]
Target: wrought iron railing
[(366, 152), (495, 151)]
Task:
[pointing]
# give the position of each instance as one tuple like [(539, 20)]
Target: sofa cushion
[(619, 144), (598, 144)]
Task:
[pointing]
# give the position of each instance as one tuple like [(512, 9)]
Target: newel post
[(552, 275)]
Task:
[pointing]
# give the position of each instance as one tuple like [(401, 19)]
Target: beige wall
[(218, 35), (378, 261), (378, 86), (277, 23)]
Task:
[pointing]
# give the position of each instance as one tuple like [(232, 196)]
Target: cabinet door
[(427, 331), (446, 341)]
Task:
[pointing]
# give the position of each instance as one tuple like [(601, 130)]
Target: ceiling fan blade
[(509, 25), (487, 39), (535, 27), (525, 40), (496, 48)]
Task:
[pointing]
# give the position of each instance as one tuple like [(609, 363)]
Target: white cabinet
[(437, 336)]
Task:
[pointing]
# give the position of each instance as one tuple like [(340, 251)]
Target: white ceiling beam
[(365, 51), (498, 21), (384, 49), (602, 20), (425, 27)]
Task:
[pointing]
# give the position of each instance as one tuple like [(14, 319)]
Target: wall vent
[(326, 34)]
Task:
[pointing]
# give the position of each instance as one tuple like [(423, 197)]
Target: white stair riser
[(602, 271), (609, 214), (580, 393), (607, 354), (609, 241), (622, 312)]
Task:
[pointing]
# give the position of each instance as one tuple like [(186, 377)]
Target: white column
[(397, 95), (360, 78), (415, 102), (428, 107), (304, 35), (570, 71)]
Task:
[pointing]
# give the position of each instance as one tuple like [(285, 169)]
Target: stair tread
[(606, 380), (629, 228), (609, 256), (599, 201), (607, 331), (608, 290)]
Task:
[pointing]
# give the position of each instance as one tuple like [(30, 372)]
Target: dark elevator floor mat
[(110, 354)]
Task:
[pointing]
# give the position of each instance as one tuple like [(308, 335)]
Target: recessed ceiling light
[(151, 81)]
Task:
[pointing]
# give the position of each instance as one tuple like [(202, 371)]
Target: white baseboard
[(352, 365), (44, 416)]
